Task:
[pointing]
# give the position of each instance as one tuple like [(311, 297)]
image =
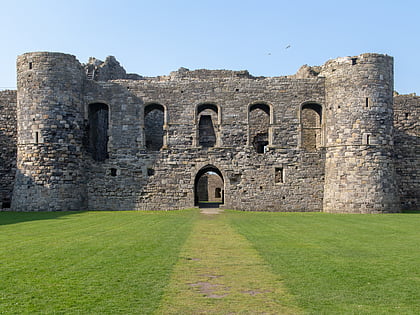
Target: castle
[(330, 138)]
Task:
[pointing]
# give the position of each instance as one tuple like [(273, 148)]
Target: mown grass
[(341, 264), (221, 273), (88, 263), (122, 262)]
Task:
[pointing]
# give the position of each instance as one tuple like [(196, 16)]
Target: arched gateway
[(209, 187)]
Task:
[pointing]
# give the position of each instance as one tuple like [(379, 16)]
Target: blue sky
[(155, 37)]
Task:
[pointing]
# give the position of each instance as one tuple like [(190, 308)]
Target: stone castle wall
[(94, 137), (8, 138), (149, 179), (407, 149)]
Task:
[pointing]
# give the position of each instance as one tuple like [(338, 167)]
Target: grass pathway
[(220, 273)]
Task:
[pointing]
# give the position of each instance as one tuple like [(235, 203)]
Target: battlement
[(92, 136)]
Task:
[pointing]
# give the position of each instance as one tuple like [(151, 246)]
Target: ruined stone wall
[(165, 179), (407, 149), (320, 140), (214, 188), (7, 146)]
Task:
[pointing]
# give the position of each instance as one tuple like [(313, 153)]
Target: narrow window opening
[(113, 172), (259, 122), (367, 139), (406, 115), (98, 131), (311, 121), (36, 137), (150, 172), (353, 61), (367, 102), (30, 66), (207, 122), (207, 135), (153, 122), (279, 175)]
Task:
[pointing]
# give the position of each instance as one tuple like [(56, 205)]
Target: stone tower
[(359, 167), (50, 133)]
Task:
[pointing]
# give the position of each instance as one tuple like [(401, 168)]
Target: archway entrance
[(209, 187)]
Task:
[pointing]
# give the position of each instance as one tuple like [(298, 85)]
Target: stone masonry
[(92, 137)]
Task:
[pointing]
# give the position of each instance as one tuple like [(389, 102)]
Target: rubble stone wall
[(407, 149), (8, 138), (321, 140)]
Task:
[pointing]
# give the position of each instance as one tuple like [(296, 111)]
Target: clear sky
[(266, 37)]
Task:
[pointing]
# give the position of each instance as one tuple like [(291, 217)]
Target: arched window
[(154, 120), (311, 125), (98, 131), (259, 123), (208, 122)]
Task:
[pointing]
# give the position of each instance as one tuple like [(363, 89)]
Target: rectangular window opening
[(279, 175), (30, 66), (36, 137), (367, 102), (6, 203)]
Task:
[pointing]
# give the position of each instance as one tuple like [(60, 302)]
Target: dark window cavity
[(259, 122), (154, 120), (98, 131), (207, 117)]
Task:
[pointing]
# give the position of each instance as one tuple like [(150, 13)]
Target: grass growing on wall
[(341, 264), (88, 263)]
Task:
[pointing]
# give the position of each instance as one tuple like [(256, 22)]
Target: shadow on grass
[(10, 217), (410, 211)]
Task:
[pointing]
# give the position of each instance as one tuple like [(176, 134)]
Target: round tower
[(49, 125), (359, 169)]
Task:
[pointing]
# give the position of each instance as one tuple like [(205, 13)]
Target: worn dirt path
[(220, 273)]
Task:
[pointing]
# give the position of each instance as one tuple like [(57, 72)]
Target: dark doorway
[(208, 181)]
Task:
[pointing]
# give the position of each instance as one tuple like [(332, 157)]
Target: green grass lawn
[(88, 263), (341, 264), (122, 262)]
